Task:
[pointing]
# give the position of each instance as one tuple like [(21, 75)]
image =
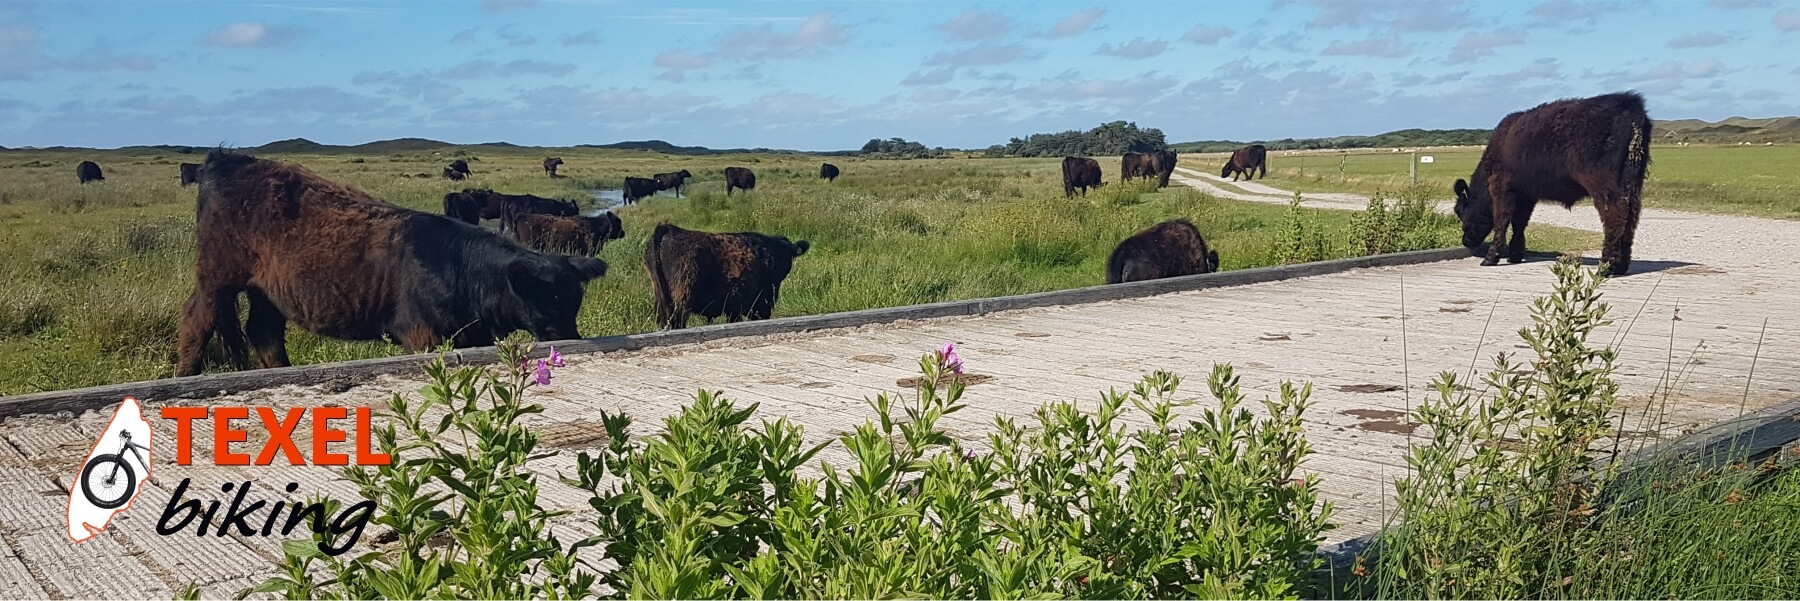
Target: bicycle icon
[(108, 481)]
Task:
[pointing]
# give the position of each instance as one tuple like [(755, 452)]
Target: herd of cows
[(340, 263)]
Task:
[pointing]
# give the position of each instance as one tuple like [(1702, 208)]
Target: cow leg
[(1503, 203), (1263, 170), (1618, 222), (1515, 251), (207, 310), (267, 328)]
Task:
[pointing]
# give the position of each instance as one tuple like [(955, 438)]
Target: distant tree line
[(1116, 138), (900, 148), (1393, 139)]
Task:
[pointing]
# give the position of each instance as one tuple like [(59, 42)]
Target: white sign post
[(1425, 159)]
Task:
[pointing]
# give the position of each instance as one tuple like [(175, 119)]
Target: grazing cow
[(1244, 161), (639, 187), (341, 263), (190, 174), (571, 235), (472, 205), (1134, 165), (461, 166), (828, 172), (1079, 172), (453, 175), (550, 165), (1563, 151), (737, 275), (1165, 250), (672, 181), (89, 171), (739, 178), (1165, 166)]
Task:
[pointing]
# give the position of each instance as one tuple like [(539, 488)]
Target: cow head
[(1476, 211), (616, 229), (684, 174), (549, 290), (1212, 261), (1225, 171)]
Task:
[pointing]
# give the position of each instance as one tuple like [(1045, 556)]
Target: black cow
[(550, 165), (672, 181), (461, 166), (737, 275), (89, 171), (574, 235), (639, 187), (1562, 151), (1245, 161), (1080, 172), (1165, 250), (190, 174), (828, 172), (340, 263), (1165, 166), (453, 175), (473, 205), (739, 178)]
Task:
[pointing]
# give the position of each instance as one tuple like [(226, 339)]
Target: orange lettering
[(184, 430), (323, 434), (364, 433), (281, 436), (223, 436)]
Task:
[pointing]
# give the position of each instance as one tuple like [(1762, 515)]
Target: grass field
[(95, 275), (1745, 180)]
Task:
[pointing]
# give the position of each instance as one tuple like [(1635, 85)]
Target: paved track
[(1723, 277)]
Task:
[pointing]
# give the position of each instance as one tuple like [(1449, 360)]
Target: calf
[(571, 235), (739, 178), (461, 166), (340, 263), (672, 181), (737, 275), (1563, 151), (1165, 250), (1080, 172), (190, 174), (550, 165), (828, 172), (639, 187), (453, 175), (89, 171)]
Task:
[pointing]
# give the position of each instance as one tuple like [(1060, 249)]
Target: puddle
[(607, 198), (1374, 413), (873, 358)]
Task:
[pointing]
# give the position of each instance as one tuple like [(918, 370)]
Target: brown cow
[(1079, 172), (1563, 151), (190, 173), (739, 178), (637, 188), (570, 235), (1134, 165), (828, 172), (550, 165), (1165, 250), (1244, 161), (737, 275), (672, 181), (343, 264), (1165, 166)]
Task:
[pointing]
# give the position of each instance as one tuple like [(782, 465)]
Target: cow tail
[(659, 282), (1637, 158)]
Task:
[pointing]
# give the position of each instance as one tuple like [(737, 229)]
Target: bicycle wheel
[(108, 481)]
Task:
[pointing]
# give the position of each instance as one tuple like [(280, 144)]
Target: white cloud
[(929, 77), (1205, 35), (984, 54), (975, 25), (251, 34), (1137, 48), (1075, 24), (1474, 45), (1699, 40), (1372, 47)]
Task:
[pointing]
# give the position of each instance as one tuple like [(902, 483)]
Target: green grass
[(94, 276), (1744, 180)]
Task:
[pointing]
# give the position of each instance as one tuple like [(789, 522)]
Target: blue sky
[(821, 76)]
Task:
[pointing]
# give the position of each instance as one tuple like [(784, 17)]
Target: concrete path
[(1690, 324)]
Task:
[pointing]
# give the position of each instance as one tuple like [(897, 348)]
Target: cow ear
[(587, 267), (800, 247)]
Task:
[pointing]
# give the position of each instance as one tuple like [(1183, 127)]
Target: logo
[(113, 473), (118, 468)]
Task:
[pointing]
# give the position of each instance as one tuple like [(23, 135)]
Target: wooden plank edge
[(349, 373)]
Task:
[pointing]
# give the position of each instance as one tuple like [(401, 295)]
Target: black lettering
[(237, 515), (362, 512), (191, 507), (317, 511)]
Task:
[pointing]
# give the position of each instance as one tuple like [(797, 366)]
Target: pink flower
[(556, 359), (542, 374), (947, 356)]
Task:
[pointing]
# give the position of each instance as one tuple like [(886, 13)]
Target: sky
[(831, 75)]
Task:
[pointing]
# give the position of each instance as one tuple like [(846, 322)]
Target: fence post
[(1343, 157), (1415, 166)]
